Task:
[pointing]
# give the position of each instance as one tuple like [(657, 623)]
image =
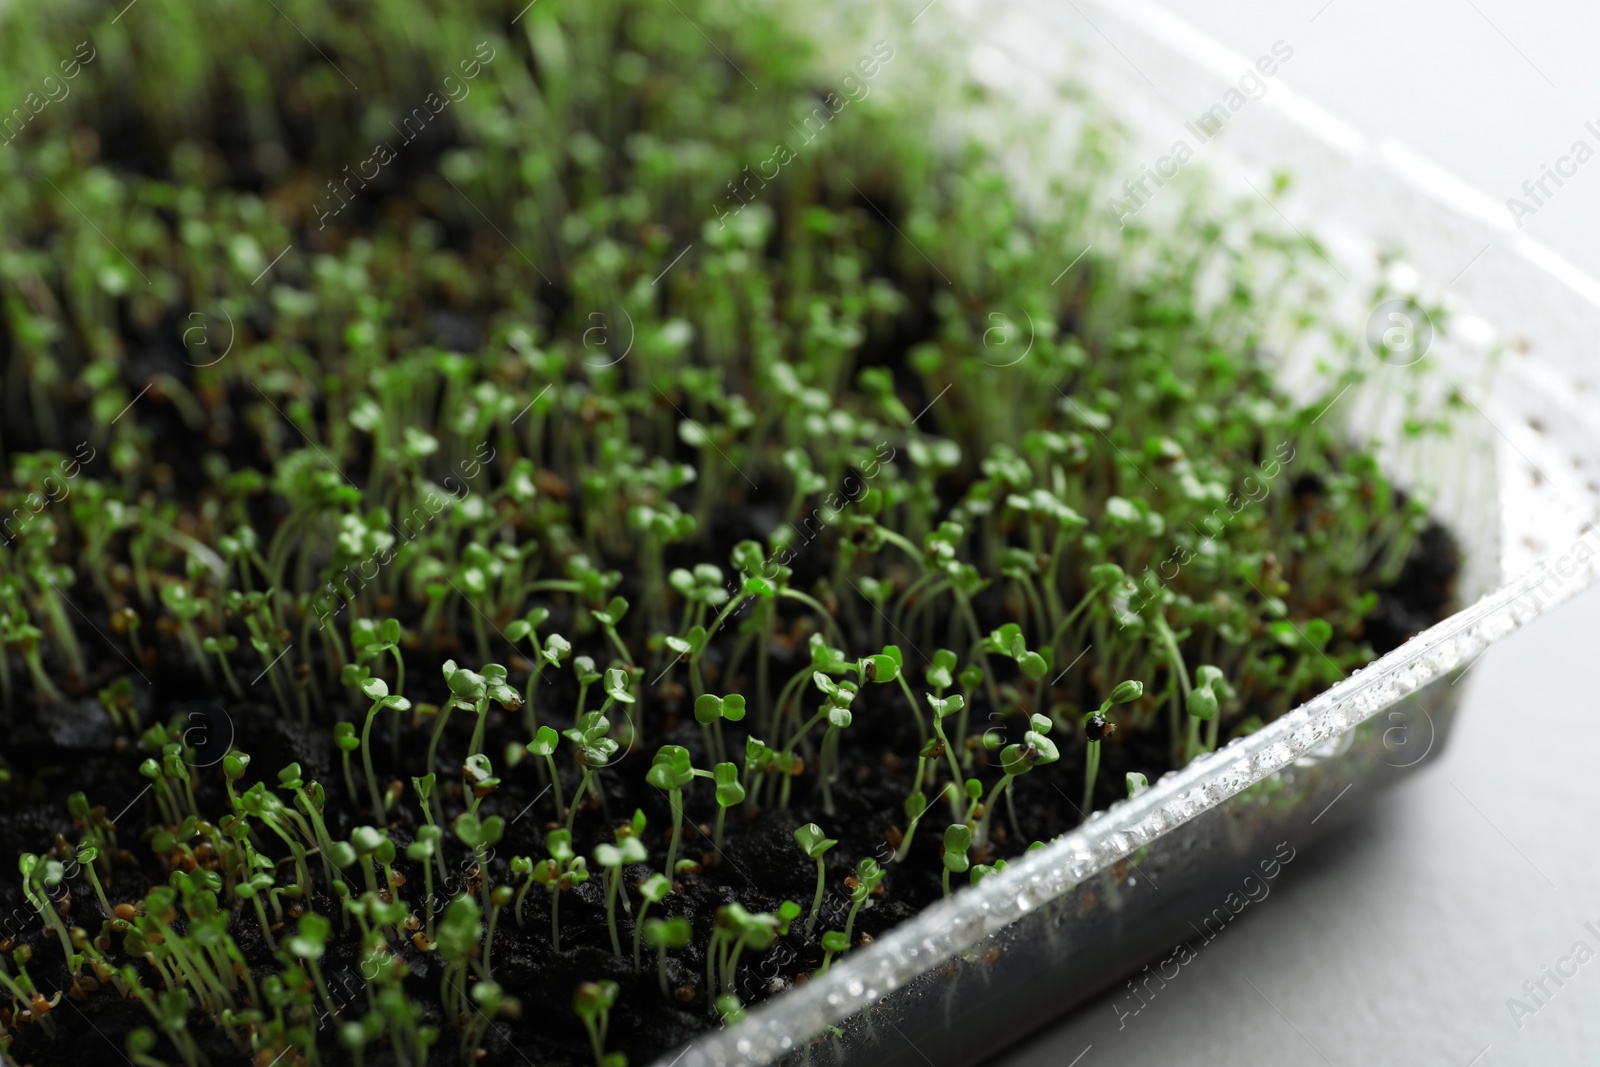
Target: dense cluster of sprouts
[(497, 524)]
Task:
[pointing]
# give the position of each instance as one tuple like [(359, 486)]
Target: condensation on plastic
[(1064, 922)]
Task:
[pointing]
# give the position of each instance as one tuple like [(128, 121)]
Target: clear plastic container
[(1517, 480)]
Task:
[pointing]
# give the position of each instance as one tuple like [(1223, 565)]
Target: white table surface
[(1402, 938)]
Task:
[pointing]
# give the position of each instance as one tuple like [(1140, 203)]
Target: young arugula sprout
[(185, 607), (887, 666), (953, 853), (544, 744), (563, 870), (1136, 782), (308, 944), (595, 749), (459, 931), (26, 638), (584, 668), (916, 806), (736, 929), (1036, 749), (1201, 705), (497, 691), (377, 690), (86, 856), (837, 697), (709, 711), (662, 934), (346, 741), (376, 639), (980, 871), (220, 646), (1204, 705), (970, 677), (814, 843), (942, 709), (652, 890), (615, 682), (1095, 728), (555, 652), (757, 759), (499, 897), (868, 876), (1010, 641), (833, 942), (592, 1003), (39, 876), (424, 787), (478, 779), (466, 687), (730, 794), (423, 849), (366, 841), (611, 859), (480, 836), (609, 618), (369, 640), (521, 866), (671, 771)]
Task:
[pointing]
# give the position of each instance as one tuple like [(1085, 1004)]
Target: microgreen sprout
[(868, 876), (544, 744), (555, 650), (942, 708), (220, 646), (595, 750), (710, 711), (1036, 750), (651, 891), (915, 807), (662, 934), (563, 870), (736, 930), (980, 871), (424, 849), (479, 835), (499, 897), (424, 787), (456, 944), (609, 619), (39, 876), (833, 942), (86, 856), (837, 697), (957, 839), (308, 943), (730, 794), (671, 771), (377, 691), (521, 866), (611, 859), (1204, 705), (814, 843), (1095, 729), (347, 741), (592, 1003)]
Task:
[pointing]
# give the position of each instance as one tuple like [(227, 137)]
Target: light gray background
[(1399, 939)]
